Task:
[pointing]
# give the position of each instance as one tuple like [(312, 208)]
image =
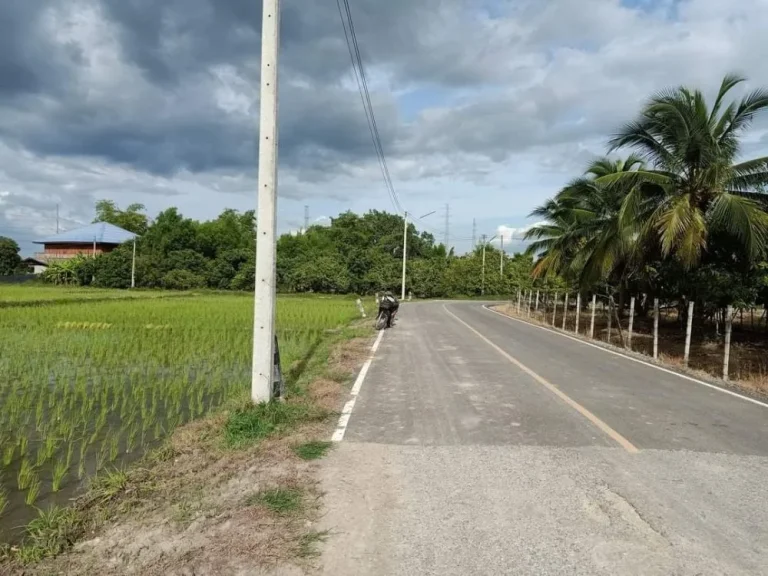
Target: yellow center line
[(615, 436)]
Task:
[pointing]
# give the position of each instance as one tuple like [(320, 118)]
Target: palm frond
[(682, 230), (750, 105), (742, 218), (637, 177), (636, 135), (729, 82)]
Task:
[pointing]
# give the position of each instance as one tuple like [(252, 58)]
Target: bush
[(113, 270), (182, 280)]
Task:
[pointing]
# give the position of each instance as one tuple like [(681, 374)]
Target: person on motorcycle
[(388, 305)]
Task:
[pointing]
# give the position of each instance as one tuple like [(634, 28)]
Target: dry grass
[(196, 507), (749, 350)]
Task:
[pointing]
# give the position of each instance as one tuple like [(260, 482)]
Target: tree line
[(682, 217), (355, 254)]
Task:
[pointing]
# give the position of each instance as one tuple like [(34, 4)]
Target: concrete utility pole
[(485, 243), (474, 233), (501, 259), (482, 287), (405, 246), (57, 218), (405, 252), (262, 374), (133, 265)]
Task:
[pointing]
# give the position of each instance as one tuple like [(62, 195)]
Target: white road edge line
[(346, 413), (619, 354)]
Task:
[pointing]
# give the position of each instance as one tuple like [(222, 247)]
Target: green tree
[(584, 238), (230, 231), (131, 219), (9, 256), (326, 274), (694, 187)]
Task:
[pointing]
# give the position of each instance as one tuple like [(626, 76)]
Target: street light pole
[(405, 247), (262, 374), (405, 252)]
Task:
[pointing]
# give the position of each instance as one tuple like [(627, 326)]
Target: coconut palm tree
[(694, 187), (583, 237)]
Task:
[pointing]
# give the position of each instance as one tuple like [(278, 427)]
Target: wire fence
[(729, 343)]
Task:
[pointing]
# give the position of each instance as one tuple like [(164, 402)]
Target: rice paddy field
[(12, 295), (88, 386)]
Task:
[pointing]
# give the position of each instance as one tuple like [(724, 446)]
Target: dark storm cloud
[(174, 122), (29, 63)]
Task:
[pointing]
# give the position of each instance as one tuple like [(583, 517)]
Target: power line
[(353, 46), (365, 96)]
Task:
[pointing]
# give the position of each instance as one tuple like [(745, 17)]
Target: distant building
[(91, 240), (34, 265)]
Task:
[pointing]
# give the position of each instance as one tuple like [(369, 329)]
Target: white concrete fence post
[(536, 310), (578, 312), (610, 315), (519, 293), (688, 328), (655, 328), (565, 310), (631, 322), (592, 320), (727, 351), (554, 311), (530, 298), (360, 307)]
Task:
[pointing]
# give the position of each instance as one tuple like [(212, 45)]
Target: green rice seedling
[(101, 459), (60, 469), (70, 452), (23, 445), (40, 456), (131, 441), (25, 475), (51, 443), (114, 447), (8, 451), (33, 492), (3, 500)]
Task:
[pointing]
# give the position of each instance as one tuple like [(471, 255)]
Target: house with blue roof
[(91, 240)]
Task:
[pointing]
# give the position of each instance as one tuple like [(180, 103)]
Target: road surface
[(483, 445)]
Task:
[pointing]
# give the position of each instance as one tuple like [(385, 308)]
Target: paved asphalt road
[(484, 445)]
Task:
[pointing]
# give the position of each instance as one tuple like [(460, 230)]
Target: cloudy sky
[(486, 105)]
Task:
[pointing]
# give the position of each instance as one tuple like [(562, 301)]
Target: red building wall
[(72, 250)]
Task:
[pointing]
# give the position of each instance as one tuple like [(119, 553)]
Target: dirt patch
[(192, 507)]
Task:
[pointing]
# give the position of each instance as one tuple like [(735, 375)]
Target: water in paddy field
[(115, 420)]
